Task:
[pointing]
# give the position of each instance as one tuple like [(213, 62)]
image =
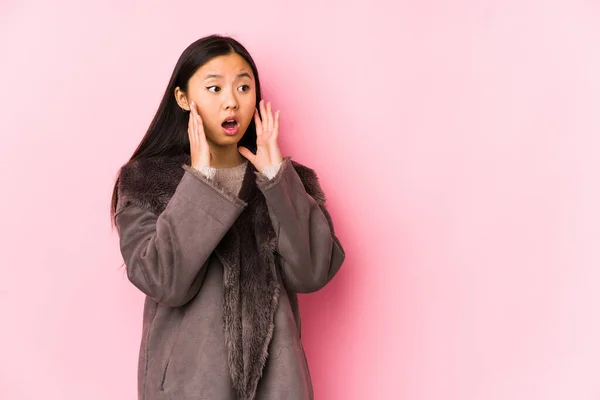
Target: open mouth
[(229, 124)]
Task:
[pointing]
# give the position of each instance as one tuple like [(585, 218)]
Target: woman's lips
[(231, 131)]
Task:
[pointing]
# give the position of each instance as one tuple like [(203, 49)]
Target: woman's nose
[(231, 102)]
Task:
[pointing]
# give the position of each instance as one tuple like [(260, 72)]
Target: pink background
[(457, 142)]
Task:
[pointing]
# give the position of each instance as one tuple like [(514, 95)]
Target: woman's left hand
[(267, 130)]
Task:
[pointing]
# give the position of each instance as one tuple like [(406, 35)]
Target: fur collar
[(250, 284)]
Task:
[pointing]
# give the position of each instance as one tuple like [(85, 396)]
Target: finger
[(269, 118), (200, 124), (247, 154), (276, 125), (259, 128), (191, 126), (193, 117), (263, 115), (198, 131)]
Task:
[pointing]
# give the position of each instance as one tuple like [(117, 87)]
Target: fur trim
[(247, 251), (148, 183), (311, 182)]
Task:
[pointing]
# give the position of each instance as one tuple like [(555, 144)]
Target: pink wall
[(458, 145)]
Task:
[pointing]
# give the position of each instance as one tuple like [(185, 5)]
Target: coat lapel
[(251, 288)]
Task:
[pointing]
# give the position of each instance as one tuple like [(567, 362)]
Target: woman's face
[(221, 88)]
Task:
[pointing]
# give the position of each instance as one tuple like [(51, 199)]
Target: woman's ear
[(181, 99)]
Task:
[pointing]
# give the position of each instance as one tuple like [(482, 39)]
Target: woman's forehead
[(227, 66)]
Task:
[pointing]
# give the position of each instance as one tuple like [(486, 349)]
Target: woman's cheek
[(207, 128), (203, 114)]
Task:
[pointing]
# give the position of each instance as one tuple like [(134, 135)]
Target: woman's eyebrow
[(243, 74)]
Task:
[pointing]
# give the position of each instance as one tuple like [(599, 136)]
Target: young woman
[(220, 231)]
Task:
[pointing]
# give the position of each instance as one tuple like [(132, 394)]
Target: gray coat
[(220, 274)]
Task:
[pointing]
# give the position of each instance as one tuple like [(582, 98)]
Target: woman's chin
[(227, 140)]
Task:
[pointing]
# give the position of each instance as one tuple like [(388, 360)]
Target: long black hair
[(167, 134)]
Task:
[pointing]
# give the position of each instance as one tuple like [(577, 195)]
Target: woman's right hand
[(199, 150)]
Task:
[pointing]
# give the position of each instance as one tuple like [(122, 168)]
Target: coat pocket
[(164, 376), (161, 385)]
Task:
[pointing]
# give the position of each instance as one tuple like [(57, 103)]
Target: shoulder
[(309, 178), (150, 182)]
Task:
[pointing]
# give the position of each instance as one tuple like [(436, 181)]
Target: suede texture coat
[(220, 273)]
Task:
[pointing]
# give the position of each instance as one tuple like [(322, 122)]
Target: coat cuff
[(272, 175)]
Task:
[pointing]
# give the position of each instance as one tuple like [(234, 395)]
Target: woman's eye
[(215, 87), (244, 86)]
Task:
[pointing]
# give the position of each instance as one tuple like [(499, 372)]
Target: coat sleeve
[(166, 255), (310, 254)]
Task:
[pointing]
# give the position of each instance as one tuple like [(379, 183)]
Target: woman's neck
[(225, 157)]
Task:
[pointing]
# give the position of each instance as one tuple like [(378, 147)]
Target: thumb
[(247, 153)]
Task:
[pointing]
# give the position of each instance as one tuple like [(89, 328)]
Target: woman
[(221, 232)]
